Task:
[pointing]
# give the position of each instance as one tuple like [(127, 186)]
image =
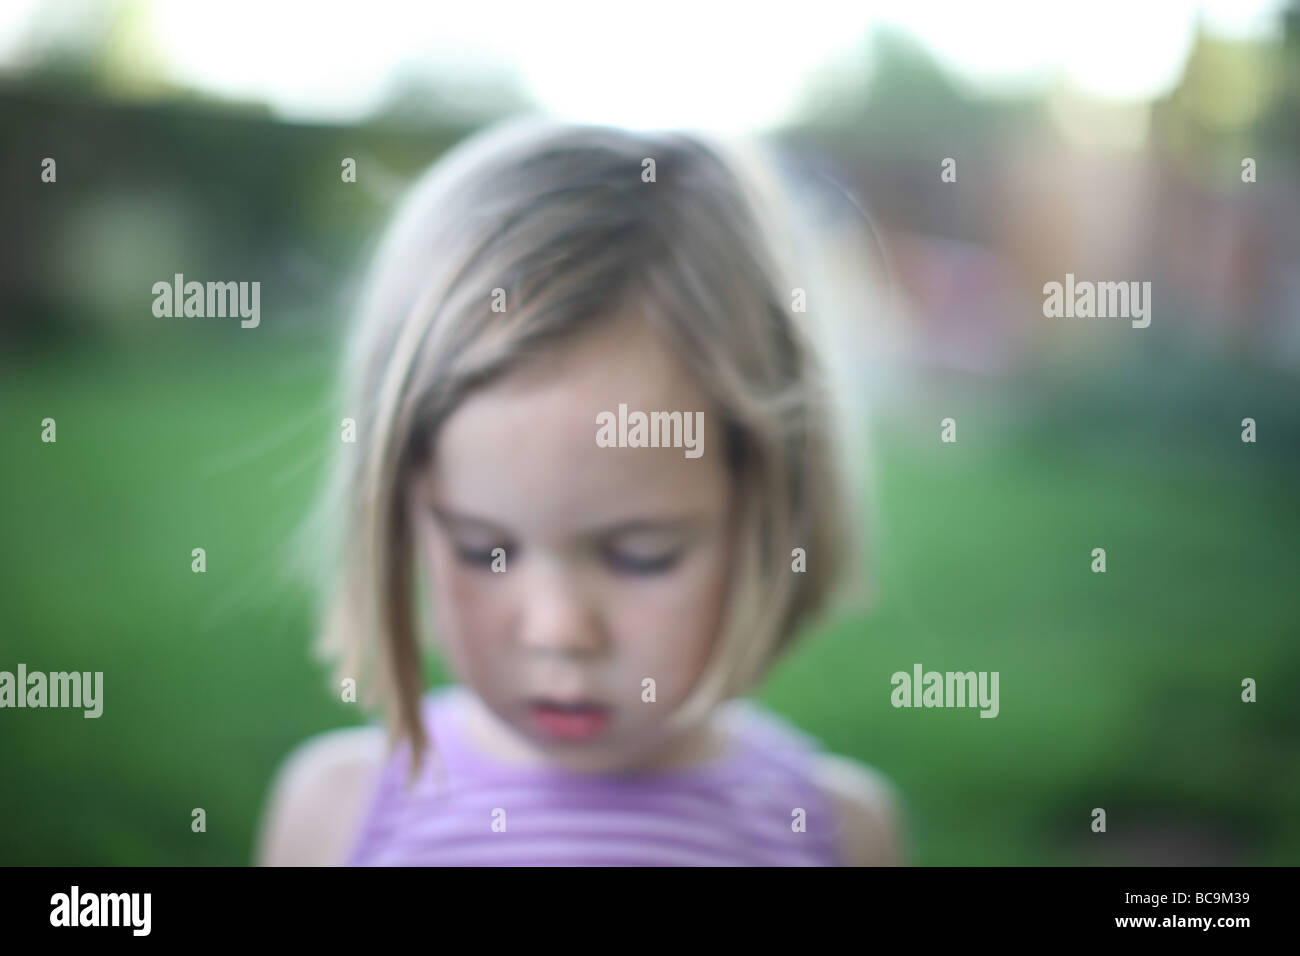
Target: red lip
[(578, 720)]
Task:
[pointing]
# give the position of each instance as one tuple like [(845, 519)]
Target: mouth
[(569, 720)]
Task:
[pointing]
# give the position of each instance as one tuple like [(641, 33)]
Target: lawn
[(1119, 690)]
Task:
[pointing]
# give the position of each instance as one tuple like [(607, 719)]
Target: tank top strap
[(780, 774), (393, 791)]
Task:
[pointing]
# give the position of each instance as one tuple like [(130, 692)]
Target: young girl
[(593, 459)]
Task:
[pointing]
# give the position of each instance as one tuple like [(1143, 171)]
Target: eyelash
[(622, 564), (646, 566), (476, 559)]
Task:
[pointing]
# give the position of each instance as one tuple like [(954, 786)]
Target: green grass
[(1119, 691)]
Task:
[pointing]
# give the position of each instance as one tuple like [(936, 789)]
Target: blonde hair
[(561, 218)]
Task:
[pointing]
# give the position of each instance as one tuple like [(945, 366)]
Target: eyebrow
[(630, 526)]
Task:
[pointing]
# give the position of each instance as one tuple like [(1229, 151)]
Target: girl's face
[(614, 561)]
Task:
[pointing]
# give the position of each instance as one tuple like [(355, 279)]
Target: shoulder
[(867, 805), (318, 797)]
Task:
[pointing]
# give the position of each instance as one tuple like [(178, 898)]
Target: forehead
[(522, 450)]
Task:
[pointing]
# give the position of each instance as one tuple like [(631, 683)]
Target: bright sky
[(727, 65)]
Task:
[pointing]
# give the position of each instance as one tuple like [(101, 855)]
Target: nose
[(558, 615)]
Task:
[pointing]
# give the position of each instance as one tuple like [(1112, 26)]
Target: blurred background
[(1105, 140)]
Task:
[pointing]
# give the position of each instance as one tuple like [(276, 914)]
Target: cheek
[(468, 604)]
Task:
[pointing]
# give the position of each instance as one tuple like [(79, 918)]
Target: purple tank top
[(738, 810)]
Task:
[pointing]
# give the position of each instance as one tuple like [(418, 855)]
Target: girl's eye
[(642, 564), (479, 557)]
